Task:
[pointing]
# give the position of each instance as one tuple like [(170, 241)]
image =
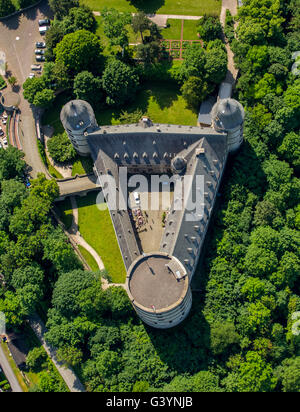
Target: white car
[(5, 141), (1, 145), (136, 198), (31, 76), (43, 29)]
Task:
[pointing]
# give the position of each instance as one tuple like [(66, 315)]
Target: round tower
[(228, 116), (158, 287), (78, 119)]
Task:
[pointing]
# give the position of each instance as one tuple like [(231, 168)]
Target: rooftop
[(157, 281)]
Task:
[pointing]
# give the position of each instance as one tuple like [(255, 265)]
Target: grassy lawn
[(89, 259), (66, 212), (190, 30), (82, 166), (97, 229), (2, 83), (173, 31), (185, 7), (162, 103)]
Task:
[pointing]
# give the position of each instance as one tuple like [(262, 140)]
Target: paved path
[(161, 19), (232, 72), (66, 373), (8, 372)]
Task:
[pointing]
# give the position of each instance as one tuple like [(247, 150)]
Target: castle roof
[(77, 115), (227, 114)]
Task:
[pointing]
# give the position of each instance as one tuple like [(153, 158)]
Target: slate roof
[(126, 145), (227, 114), (77, 115)]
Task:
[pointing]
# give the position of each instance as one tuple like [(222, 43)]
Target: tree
[(87, 87), (216, 65), (115, 26), (6, 7), (58, 251), (61, 8), (69, 355), (194, 90), (32, 274), (68, 288), (209, 28), (12, 164), (33, 86), (79, 18), (255, 375), (36, 358), (266, 85), (223, 336), (194, 62), (148, 52), (80, 51), (120, 82), (61, 149), (289, 149), (44, 98), (53, 36), (140, 23), (288, 374)]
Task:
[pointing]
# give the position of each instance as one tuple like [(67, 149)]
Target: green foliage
[(288, 374), (120, 82), (12, 164), (70, 356), (115, 26), (209, 28), (195, 90), (79, 51), (36, 358), (216, 65), (255, 375), (79, 18), (6, 7), (223, 337), (87, 87), (60, 148), (44, 98), (194, 61), (61, 8)]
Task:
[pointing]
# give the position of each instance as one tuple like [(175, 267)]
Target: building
[(158, 282)]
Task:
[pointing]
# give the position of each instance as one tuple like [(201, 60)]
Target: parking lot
[(18, 37)]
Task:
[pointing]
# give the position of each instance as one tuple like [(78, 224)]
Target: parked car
[(40, 58), (43, 29), (5, 141), (39, 51), (40, 44), (1, 147), (37, 67), (44, 22), (31, 76), (1, 133)]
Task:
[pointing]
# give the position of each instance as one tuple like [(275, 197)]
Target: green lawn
[(66, 212), (82, 166), (97, 229), (185, 7), (162, 103), (89, 259), (173, 31), (190, 30)]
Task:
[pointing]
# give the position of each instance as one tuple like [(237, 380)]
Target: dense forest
[(238, 336)]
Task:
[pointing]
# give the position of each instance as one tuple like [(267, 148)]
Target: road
[(9, 373)]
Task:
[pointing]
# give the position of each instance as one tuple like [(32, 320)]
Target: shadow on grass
[(149, 6)]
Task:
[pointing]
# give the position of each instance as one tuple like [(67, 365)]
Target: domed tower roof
[(77, 115), (227, 114), (179, 164)]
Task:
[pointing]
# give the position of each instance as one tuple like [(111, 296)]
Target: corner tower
[(78, 119), (228, 116)]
